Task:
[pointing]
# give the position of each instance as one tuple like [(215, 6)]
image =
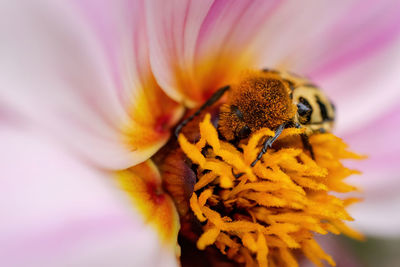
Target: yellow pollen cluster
[(269, 213)]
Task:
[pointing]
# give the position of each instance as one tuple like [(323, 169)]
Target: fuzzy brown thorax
[(259, 100)]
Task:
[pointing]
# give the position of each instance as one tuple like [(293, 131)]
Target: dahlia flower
[(91, 90)]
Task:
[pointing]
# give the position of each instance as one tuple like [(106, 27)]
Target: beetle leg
[(237, 175), (307, 145), (268, 143)]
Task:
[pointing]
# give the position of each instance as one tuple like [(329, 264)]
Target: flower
[(91, 87)]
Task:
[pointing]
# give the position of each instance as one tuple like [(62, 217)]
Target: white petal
[(76, 70), (378, 214), (198, 46), (173, 28), (58, 211)]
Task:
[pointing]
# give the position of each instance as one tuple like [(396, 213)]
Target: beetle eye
[(244, 132), (302, 109)]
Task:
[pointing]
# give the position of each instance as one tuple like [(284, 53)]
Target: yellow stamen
[(209, 237), (269, 210)]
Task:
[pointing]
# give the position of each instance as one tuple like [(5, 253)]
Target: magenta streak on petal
[(53, 240), (220, 8), (388, 121), (212, 15), (378, 139), (239, 17), (10, 116), (184, 24), (375, 42)]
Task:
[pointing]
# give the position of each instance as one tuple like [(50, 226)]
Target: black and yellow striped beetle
[(273, 99)]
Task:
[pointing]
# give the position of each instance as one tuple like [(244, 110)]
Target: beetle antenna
[(214, 98)]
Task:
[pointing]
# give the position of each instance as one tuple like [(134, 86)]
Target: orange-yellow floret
[(271, 210)]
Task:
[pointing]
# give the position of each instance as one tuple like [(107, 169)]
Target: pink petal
[(350, 48), (292, 35), (378, 215), (320, 37), (58, 211), (378, 140), (79, 70), (198, 46), (367, 90), (173, 29), (366, 27)]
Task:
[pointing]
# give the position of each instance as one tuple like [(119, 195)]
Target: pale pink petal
[(377, 214), (79, 70), (364, 28), (378, 140), (319, 37), (350, 48), (366, 90), (57, 211), (292, 33), (173, 28), (198, 46)]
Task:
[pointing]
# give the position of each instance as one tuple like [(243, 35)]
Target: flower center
[(254, 169), (268, 213)]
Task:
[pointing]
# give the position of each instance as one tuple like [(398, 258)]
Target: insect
[(272, 99)]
